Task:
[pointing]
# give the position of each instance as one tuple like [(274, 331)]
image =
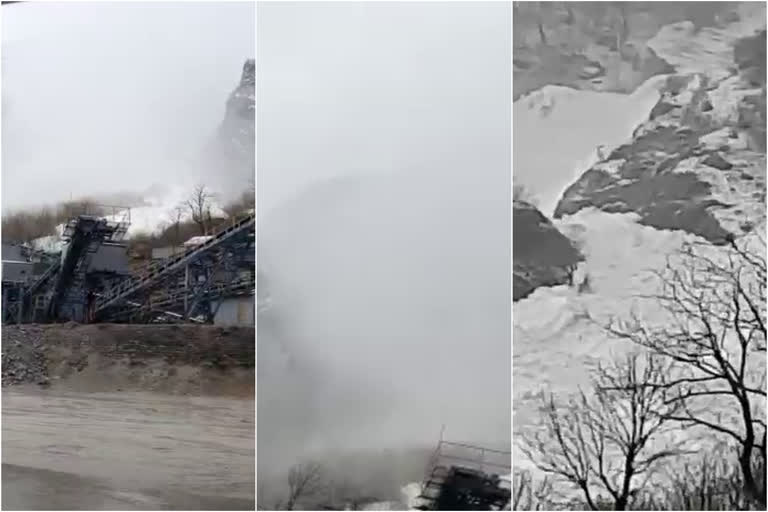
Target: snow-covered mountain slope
[(581, 45), (709, 50), (559, 333), (691, 166), (558, 130), (690, 171)]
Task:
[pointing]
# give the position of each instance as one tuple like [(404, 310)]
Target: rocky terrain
[(698, 162), (189, 360), (600, 46), (23, 360), (543, 256), (689, 171), (237, 131)]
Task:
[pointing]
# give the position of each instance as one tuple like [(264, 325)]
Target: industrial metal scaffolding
[(466, 477), (188, 286), (191, 284)]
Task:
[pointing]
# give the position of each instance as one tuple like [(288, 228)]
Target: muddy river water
[(127, 450)]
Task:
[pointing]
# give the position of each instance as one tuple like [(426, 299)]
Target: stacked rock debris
[(23, 360)]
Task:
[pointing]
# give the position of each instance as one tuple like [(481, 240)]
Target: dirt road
[(128, 450)]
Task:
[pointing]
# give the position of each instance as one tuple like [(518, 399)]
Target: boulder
[(717, 161), (542, 255)]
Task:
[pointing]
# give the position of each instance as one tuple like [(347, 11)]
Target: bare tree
[(199, 206), (716, 336), (304, 480), (603, 442), (175, 216), (528, 495), (709, 481)]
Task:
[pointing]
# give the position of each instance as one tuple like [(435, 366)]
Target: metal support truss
[(187, 285), (159, 274), (202, 289), (13, 303)]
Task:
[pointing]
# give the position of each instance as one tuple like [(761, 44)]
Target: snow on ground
[(557, 131), (742, 185), (710, 50), (555, 334), (558, 334)]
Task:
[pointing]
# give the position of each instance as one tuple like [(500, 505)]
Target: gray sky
[(377, 87), (104, 97)]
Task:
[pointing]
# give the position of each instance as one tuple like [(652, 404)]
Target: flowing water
[(134, 451)]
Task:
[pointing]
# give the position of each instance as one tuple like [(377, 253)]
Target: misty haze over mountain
[(109, 97), (383, 171)]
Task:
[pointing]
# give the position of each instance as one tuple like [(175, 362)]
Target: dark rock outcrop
[(600, 46), (239, 125), (749, 54), (233, 150), (130, 356), (661, 174), (542, 256), (717, 161)]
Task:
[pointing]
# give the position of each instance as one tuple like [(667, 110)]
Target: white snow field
[(557, 131), (557, 333)]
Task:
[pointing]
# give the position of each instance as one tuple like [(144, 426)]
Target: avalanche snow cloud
[(384, 228), (385, 323)]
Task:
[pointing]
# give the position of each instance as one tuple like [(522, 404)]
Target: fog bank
[(107, 97), (383, 170)]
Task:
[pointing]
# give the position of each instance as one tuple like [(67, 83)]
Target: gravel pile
[(22, 357)]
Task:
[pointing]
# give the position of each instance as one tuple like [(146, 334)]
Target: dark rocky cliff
[(237, 131), (235, 143), (599, 46), (542, 256)]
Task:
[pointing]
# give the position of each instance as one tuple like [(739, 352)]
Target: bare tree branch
[(304, 480), (716, 336), (604, 441)]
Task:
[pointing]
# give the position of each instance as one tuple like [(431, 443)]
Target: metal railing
[(481, 463), (166, 267), (440, 463), (42, 279)]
